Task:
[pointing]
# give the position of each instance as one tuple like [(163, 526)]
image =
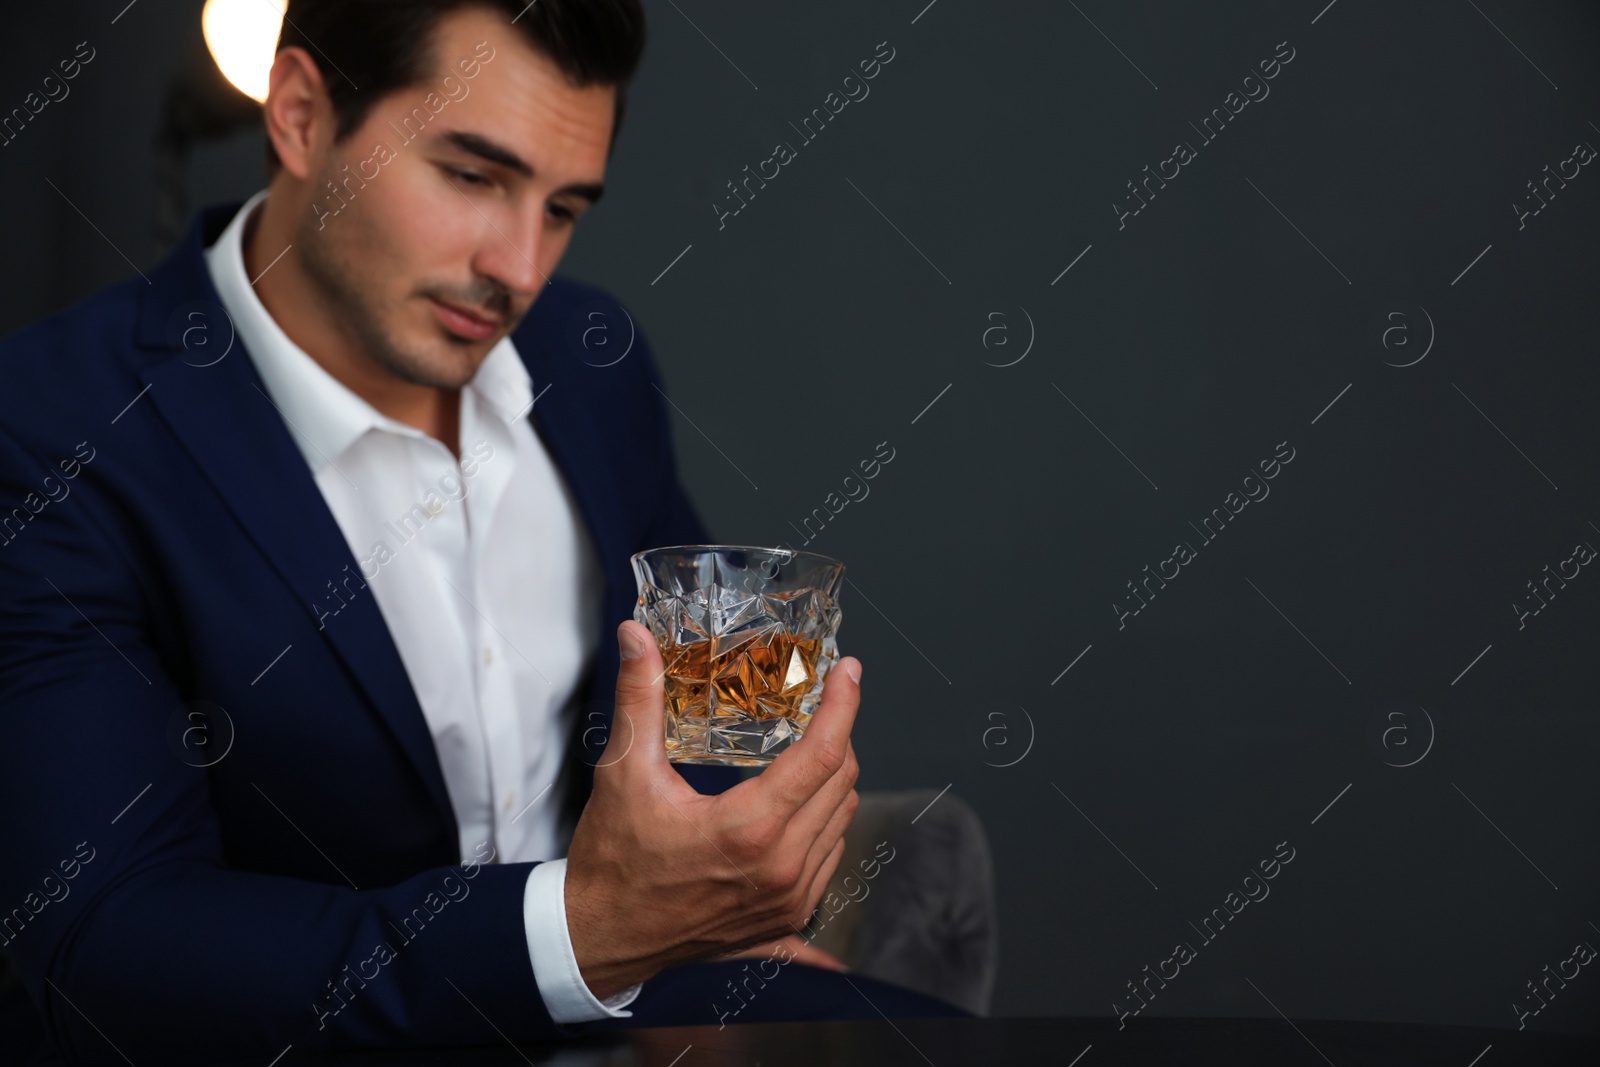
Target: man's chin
[(451, 367)]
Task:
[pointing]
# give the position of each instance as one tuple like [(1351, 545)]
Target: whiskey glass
[(748, 635)]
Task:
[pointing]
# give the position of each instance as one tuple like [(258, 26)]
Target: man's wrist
[(604, 968), (566, 994)]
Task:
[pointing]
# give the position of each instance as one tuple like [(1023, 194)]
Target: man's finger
[(831, 833), (819, 882), (636, 748), (807, 764), (819, 811), (800, 951)]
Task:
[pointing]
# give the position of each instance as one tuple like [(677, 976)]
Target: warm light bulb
[(243, 38)]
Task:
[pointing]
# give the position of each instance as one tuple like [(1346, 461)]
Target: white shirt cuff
[(555, 967)]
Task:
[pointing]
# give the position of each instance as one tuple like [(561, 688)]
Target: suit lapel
[(578, 446), (219, 410)]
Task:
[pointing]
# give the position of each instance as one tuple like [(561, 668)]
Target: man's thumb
[(640, 732)]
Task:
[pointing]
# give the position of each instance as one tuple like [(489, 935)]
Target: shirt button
[(435, 506), (511, 798), (488, 655)]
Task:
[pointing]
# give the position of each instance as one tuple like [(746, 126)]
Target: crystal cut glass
[(748, 635)]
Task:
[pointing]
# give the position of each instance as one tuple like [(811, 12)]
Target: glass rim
[(794, 553)]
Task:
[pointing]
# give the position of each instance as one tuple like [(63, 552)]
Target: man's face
[(441, 243)]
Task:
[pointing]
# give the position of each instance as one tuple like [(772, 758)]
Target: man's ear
[(298, 114)]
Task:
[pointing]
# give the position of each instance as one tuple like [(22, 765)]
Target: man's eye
[(561, 213), (466, 176)]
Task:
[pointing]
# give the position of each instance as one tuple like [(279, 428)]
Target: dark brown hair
[(367, 49)]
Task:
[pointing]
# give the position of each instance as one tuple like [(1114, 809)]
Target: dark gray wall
[(1358, 617)]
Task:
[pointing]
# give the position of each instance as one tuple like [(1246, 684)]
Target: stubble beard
[(356, 313)]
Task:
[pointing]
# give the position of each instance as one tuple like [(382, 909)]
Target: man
[(307, 544)]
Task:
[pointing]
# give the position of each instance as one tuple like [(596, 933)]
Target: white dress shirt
[(488, 583)]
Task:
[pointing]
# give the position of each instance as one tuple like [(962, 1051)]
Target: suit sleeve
[(134, 939)]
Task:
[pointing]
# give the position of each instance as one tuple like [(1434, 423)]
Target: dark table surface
[(1057, 1042)]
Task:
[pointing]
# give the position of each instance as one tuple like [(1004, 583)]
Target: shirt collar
[(325, 416)]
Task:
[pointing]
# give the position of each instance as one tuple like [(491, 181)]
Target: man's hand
[(799, 950), (659, 875)]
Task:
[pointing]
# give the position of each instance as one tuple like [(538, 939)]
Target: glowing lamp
[(242, 36)]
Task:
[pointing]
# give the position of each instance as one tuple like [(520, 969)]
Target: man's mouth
[(463, 322)]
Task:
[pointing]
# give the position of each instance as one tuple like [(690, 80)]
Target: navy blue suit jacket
[(163, 551)]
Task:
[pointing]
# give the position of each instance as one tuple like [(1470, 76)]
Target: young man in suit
[(313, 555)]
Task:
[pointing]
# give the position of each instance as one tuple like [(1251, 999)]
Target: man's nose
[(510, 252)]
